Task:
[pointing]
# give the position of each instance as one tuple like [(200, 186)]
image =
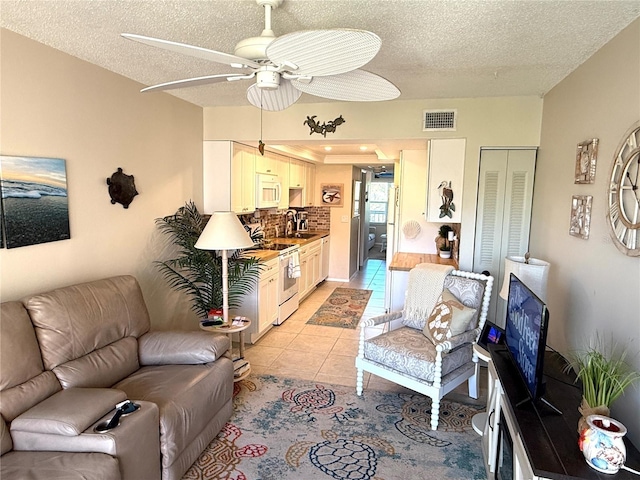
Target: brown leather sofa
[(67, 357)]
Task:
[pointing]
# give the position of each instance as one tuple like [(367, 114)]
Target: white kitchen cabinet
[(261, 305), (308, 191), (297, 173), (229, 177), (267, 163), (324, 256), (310, 267), (282, 170), (446, 165)]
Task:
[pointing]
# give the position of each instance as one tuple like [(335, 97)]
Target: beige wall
[(55, 105), (592, 286), (339, 256), (504, 121)]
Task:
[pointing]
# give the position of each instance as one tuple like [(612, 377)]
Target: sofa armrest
[(181, 347), (68, 412)]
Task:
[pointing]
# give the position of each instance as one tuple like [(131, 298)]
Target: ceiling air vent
[(439, 120)]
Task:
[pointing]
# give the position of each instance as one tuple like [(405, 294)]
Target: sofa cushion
[(74, 321), (101, 368), (69, 412), (58, 466), (181, 348), (448, 318), (408, 351), (23, 383)]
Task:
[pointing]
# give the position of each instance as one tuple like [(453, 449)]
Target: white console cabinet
[(526, 440)]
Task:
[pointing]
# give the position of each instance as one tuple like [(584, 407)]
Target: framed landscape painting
[(35, 206)]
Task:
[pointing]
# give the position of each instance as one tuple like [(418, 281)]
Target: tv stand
[(534, 441)]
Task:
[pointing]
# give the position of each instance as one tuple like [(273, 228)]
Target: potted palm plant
[(605, 376), (198, 273)]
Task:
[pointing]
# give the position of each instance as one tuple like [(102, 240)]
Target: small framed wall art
[(586, 157), (332, 194), (580, 216)]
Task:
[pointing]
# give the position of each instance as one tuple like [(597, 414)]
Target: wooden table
[(230, 330), (403, 262), (398, 276)]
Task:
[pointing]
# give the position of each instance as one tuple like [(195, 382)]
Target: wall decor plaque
[(586, 157), (580, 216), (332, 194)]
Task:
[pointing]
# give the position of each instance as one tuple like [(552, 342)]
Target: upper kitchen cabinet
[(229, 173), (445, 180), (301, 183), (310, 181), (297, 174)]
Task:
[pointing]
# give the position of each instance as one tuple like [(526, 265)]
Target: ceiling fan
[(325, 63)]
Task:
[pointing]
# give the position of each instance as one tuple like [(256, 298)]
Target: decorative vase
[(585, 410), (602, 445), (445, 253)]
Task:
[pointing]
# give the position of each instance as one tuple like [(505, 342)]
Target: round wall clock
[(623, 194)]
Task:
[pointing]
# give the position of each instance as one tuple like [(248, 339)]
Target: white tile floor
[(326, 354)]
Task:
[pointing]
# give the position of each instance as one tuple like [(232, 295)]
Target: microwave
[(268, 191)]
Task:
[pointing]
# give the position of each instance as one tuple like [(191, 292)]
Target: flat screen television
[(526, 334)]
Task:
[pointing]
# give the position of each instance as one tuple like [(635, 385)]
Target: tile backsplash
[(319, 218)]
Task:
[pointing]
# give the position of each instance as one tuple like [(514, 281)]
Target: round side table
[(230, 330), (480, 419)]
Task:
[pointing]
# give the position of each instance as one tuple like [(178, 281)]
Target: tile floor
[(326, 354)]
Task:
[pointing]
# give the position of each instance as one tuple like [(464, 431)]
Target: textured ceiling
[(430, 48)]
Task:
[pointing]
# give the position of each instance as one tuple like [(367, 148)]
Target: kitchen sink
[(303, 235)]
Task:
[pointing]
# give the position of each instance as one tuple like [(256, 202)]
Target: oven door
[(287, 287)]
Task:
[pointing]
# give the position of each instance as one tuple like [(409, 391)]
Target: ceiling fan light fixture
[(268, 78)]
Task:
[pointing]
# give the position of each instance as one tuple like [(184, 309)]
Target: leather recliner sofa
[(67, 357)]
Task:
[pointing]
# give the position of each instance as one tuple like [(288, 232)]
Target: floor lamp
[(534, 274), (224, 232)]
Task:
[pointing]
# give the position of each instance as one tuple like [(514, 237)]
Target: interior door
[(505, 196)]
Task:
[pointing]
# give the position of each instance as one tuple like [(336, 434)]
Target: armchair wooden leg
[(359, 381), (435, 413), (474, 381)]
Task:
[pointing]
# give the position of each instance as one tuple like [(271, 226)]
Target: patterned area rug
[(343, 308), (285, 429)]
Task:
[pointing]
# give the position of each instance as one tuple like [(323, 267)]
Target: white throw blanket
[(425, 285), (294, 265)]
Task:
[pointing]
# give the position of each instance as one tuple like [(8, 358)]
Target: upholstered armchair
[(428, 346)]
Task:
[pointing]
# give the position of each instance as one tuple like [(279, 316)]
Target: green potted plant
[(198, 273), (442, 241), (604, 375)]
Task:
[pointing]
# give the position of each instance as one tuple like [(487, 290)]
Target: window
[(378, 197)]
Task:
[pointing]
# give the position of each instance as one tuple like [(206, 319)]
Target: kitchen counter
[(266, 255), (317, 235), (404, 262)]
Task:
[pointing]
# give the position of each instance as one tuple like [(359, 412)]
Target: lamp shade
[(533, 274), (224, 232)]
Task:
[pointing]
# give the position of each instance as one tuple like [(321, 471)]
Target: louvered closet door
[(505, 194)]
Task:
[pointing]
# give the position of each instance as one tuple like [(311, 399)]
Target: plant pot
[(602, 445), (445, 253), (585, 410)]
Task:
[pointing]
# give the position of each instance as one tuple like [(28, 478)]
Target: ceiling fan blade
[(192, 51), (324, 52), (194, 82), (355, 86), (273, 100)]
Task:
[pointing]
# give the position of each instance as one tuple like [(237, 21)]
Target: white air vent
[(439, 120)]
